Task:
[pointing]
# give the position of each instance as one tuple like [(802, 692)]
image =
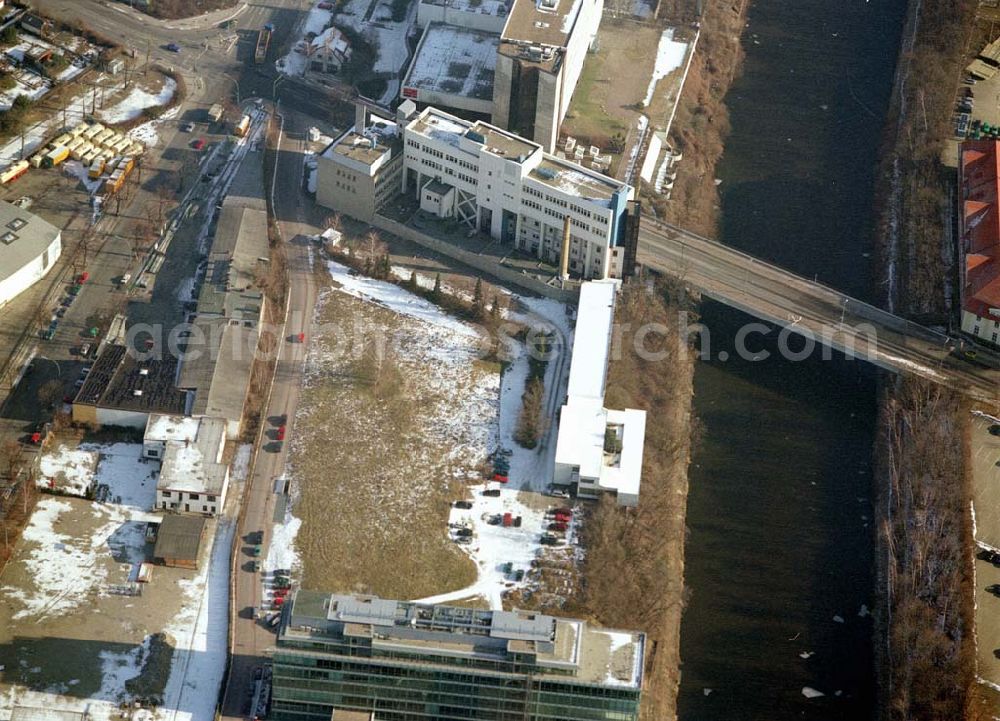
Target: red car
[(500, 478), (281, 433), (508, 519), (564, 511), (84, 277), (198, 144)]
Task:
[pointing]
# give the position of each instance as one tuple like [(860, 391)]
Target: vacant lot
[(392, 439), (613, 83)]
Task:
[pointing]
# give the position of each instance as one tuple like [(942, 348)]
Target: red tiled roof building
[(979, 238)]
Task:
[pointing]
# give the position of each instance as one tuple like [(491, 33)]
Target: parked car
[(464, 533), (993, 588), (519, 576), (508, 520), (995, 429), (462, 504), (281, 433), (558, 526), (173, 47), (187, 127), (84, 350), (494, 492), (198, 144)]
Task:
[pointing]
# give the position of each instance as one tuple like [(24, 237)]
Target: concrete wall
[(127, 419), (355, 195), (485, 263), (430, 13), (584, 31), (30, 273), (502, 76)]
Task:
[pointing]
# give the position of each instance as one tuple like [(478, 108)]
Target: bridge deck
[(815, 310)]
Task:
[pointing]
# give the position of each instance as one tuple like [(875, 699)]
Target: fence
[(485, 263)]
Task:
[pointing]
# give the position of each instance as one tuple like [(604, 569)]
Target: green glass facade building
[(413, 662)]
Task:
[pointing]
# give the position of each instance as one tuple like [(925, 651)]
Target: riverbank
[(702, 122), (635, 559), (924, 614)]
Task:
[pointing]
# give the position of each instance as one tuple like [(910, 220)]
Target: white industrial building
[(29, 247), (193, 477), (510, 188), (598, 450)]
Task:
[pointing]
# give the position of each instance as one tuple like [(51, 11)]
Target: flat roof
[(592, 339), (239, 249), (23, 237), (219, 373), (195, 466), (439, 125), (479, 7), (455, 61), (179, 537), (574, 179), (594, 655), (503, 142), (162, 427), (118, 380), (540, 22)]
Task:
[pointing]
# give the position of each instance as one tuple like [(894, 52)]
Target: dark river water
[(779, 557)]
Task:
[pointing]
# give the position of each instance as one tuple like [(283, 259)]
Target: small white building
[(598, 450), (193, 477), (329, 51)]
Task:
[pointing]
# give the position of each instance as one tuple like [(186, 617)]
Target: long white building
[(29, 247), (510, 188), (598, 450)]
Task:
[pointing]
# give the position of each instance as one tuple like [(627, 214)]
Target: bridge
[(816, 311)]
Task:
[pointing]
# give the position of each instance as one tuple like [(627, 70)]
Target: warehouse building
[(979, 238), (453, 68), (29, 247), (179, 540), (541, 55), (598, 450), (403, 661), (225, 329), (124, 388)]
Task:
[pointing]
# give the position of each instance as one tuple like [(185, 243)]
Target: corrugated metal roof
[(179, 537)]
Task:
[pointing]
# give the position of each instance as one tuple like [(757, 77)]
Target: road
[(297, 220), (816, 311)]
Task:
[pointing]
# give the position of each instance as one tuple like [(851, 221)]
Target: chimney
[(564, 261), (360, 118)]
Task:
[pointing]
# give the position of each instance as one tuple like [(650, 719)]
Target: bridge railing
[(855, 306)]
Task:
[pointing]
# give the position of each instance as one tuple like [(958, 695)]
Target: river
[(779, 557)]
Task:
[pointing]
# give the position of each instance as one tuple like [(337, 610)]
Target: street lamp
[(274, 86)]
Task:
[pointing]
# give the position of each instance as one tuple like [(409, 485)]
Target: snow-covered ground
[(67, 568), (295, 63), (669, 56), (387, 36), (132, 105), (200, 635), (80, 171), (148, 133), (26, 83)]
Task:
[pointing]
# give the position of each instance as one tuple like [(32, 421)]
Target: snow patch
[(137, 101)]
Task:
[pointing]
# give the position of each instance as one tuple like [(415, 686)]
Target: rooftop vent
[(144, 371), (17, 223), (475, 137), (548, 173), (137, 392), (7, 238)]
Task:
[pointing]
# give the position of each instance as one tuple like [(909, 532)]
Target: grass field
[(396, 439), (612, 84)]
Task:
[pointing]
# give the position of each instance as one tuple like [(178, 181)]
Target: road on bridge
[(814, 310)]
